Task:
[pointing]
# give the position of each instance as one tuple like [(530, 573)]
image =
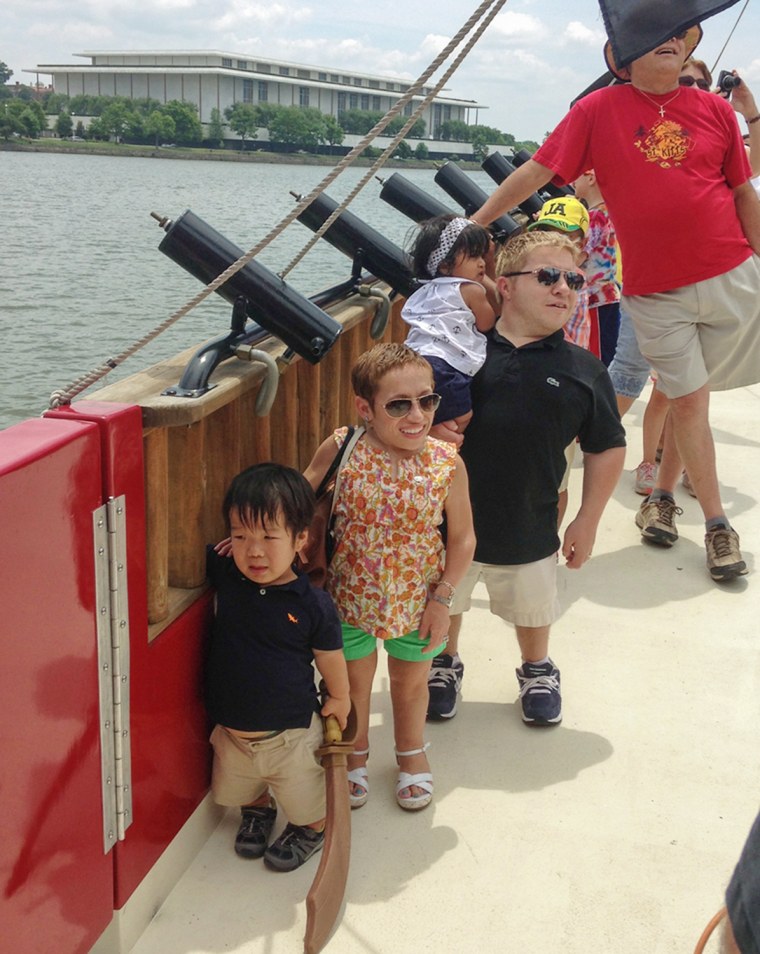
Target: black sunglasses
[(690, 81), (400, 407), (548, 275)]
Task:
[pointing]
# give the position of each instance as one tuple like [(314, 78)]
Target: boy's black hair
[(265, 491), (472, 241)]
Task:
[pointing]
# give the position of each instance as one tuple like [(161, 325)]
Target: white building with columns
[(214, 79)]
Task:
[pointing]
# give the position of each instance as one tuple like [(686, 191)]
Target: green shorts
[(358, 645)]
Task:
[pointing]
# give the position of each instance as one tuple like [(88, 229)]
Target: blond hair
[(513, 254), (374, 364)]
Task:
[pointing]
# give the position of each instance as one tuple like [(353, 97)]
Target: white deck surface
[(614, 833)]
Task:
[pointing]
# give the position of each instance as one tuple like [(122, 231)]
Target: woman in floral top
[(390, 576)]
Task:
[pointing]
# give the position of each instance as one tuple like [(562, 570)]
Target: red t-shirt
[(667, 181)]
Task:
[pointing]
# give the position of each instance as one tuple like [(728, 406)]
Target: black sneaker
[(255, 827), (444, 684), (539, 693), (294, 846)]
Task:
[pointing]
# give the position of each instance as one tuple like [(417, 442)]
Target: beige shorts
[(285, 764), (569, 457), (524, 594), (706, 333)]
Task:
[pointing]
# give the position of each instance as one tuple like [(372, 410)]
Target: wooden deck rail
[(193, 447)]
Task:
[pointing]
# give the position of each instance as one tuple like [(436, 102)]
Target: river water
[(81, 277)]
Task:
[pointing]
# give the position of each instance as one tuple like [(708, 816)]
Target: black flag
[(635, 27)]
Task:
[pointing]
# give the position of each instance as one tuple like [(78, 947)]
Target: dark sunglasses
[(400, 407), (690, 81), (548, 275)]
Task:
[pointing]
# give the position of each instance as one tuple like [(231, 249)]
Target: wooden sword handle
[(332, 730)]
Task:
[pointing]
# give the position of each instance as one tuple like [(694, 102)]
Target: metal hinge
[(110, 544)]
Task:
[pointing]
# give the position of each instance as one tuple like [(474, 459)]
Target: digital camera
[(727, 82)]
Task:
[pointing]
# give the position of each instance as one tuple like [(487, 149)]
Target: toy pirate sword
[(325, 897)]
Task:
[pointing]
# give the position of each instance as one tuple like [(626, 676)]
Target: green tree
[(64, 125), (488, 134), (79, 132), (527, 144), (10, 119), (298, 128), (55, 103), (84, 105), (421, 151), (417, 130), (115, 120), (243, 118), (96, 130), (267, 112), (358, 122), (480, 145), (187, 125), (334, 133), (5, 72), (32, 122), (161, 126), (454, 130), (403, 150), (215, 130)]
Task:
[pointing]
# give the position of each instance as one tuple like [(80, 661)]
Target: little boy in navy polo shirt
[(271, 625)]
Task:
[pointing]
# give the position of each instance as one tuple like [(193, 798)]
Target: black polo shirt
[(529, 404), (259, 675), (743, 894)]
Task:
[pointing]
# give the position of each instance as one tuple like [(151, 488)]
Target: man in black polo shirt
[(534, 395)]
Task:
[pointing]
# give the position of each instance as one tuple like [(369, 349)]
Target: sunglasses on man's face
[(400, 407), (548, 275), (690, 81)]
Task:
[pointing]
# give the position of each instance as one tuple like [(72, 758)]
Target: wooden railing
[(193, 447)]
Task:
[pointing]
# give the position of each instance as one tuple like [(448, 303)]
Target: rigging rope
[(728, 38), (383, 158), (490, 7)]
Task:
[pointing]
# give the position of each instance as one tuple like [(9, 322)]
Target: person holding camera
[(733, 87), (669, 156)]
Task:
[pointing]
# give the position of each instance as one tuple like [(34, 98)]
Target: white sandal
[(358, 776), (423, 780)]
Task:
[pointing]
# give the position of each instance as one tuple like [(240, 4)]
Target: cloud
[(520, 26), (241, 12), (576, 32)]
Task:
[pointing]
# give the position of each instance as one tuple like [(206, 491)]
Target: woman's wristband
[(754, 119)]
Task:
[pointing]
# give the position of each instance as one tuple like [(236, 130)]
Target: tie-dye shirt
[(600, 264), (388, 544), (578, 328)]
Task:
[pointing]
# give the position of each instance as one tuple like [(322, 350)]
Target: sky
[(535, 57)]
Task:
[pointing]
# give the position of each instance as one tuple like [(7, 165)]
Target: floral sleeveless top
[(388, 548)]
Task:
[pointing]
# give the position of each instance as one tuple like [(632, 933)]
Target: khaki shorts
[(569, 457), (524, 594), (706, 333), (285, 764)]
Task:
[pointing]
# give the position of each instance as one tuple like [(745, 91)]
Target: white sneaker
[(646, 478)]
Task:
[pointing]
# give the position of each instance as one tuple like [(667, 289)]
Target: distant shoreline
[(66, 147)]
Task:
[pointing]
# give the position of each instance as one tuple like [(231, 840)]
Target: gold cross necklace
[(659, 106)]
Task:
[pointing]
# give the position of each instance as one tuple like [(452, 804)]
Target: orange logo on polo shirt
[(666, 143), (292, 618)]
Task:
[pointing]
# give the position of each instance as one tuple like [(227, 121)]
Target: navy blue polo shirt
[(530, 403), (260, 674)]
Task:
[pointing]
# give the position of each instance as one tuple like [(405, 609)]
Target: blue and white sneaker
[(444, 684), (539, 693)]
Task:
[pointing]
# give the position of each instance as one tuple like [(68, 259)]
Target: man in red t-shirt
[(671, 164)]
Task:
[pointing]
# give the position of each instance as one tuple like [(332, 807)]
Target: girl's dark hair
[(266, 491), (472, 241)]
